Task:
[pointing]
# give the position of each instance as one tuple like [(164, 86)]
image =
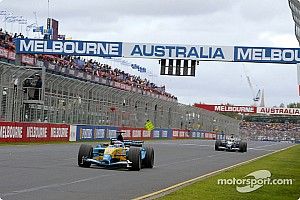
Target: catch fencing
[(74, 97)]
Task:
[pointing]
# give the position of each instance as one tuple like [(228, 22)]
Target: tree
[(281, 105), (293, 105)]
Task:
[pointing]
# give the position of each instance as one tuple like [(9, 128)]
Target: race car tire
[(148, 162), (85, 151), (217, 144), (245, 150), (243, 147), (134, 155)]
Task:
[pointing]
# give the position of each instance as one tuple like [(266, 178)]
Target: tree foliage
[(293, 105)]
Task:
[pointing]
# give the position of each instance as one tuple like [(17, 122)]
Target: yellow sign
[(149, 125)]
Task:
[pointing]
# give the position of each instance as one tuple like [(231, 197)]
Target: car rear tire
[(134, 155), (149, 158), (243, 147), (217, 144), (245, 150), (85, 151)]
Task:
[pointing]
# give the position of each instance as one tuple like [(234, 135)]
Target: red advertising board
[(33, 132), (180, 134), (146, 134), (135, 133), (210, 135), (227, 108)]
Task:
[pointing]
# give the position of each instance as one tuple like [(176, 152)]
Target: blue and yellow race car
[(128, 154)]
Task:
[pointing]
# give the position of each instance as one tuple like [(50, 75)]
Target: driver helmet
[(118, 143)]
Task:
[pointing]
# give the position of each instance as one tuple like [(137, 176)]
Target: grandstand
[(76, 91), (270, 131)]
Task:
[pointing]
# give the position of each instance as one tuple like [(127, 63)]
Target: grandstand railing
[(10, 56), (74, 100)]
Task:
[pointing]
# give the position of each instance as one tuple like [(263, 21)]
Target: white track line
[(184, 161), (190, 181), (267, 145), (55, 185), (186, 144), (261, 149)]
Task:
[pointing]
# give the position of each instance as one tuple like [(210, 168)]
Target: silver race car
[(231, 144)]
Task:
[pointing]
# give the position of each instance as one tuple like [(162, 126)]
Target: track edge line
[(159, 193)]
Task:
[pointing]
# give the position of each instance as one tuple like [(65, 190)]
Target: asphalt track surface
[(48, 172)]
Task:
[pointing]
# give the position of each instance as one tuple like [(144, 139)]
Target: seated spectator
[(88, 66)]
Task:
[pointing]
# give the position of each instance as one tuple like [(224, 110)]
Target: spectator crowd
[(89, 66), (269, 131)]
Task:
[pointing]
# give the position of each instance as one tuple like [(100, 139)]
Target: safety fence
[(36, 94), (46, 132)]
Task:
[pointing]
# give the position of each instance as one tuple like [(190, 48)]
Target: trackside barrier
[(37, 132), (220, 136), (73, 130), (162, 133), (33, 132), (197, 134), (180, 134), (88, 132), (210, 135), (135, 133), (203, 134)]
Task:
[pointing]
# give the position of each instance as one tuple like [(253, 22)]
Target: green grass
[(282, 165)]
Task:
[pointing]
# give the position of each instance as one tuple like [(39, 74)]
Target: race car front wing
[(106, 163)]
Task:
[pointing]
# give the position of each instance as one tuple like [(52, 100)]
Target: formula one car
[(128, 154), (231, 145)]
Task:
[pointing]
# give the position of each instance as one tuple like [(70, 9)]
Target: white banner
[(278, 111), (136, 133), (99, 133), (164, 134), (155, 134), (73, 133), (126, 133), (156, 51), (175, 133), (168, 51), (146, 134)]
